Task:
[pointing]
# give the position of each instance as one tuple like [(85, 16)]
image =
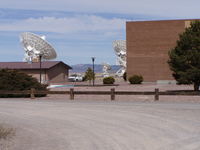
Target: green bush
[(135, 79), (12, 80), (108, 80)]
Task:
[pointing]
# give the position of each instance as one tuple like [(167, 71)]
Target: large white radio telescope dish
[(36, 46), (120, 51)]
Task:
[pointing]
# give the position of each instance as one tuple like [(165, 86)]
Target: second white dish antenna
[(120, 51)]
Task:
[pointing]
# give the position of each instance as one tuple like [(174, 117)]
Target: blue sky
[(80, 29)]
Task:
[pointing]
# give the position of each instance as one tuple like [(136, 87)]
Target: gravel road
[(101, 125)]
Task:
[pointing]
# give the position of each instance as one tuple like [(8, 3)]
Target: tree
[(184, 59), (89, 75), (12, 80)]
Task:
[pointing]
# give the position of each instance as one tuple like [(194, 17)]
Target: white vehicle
[(75, 78)]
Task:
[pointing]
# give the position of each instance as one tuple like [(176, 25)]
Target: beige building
[(148, 44), (51, 71)]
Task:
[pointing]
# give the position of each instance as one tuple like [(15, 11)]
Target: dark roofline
[(32, 66), (162, 20), (65, 64)]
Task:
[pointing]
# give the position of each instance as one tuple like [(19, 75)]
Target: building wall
[(36, 74), (58, 73), (148, 44)]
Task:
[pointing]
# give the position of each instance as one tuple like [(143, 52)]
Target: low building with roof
[(51, 71)]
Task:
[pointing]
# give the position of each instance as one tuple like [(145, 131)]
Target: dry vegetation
[(6, 132)]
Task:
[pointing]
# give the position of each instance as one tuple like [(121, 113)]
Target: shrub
[(124, 76), (12, 80), (108, 80), (135, 79)]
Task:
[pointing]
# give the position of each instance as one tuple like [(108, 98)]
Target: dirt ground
[(97, 123), (101, 125)]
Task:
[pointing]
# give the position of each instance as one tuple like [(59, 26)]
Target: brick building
[(148, 44), (51, 71)]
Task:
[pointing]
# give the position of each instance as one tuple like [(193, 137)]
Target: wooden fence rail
[(112, 93)]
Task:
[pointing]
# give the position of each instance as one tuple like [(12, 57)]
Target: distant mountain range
[(81, 68)]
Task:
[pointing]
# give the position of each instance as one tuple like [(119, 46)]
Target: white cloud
[(90, 34), (83, 23), (170, 8)]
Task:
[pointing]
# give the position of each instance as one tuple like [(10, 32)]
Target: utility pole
[(40, 59), (93, 59)]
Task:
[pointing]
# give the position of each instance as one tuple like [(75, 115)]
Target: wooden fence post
[(71, 94), (156, 94), (32, 93), (112, 94)]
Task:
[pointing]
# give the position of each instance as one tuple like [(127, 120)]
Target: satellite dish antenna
[(120, 51), (105, 69), (35, 45), (36, 48)]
